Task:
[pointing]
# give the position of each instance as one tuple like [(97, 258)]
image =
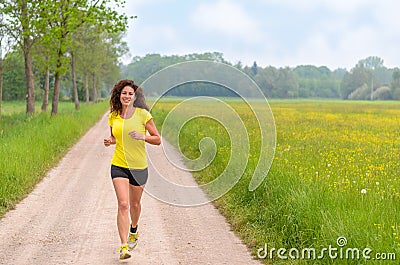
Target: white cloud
[(352, 30), (340, 6), (344, 53), (228, 19), (388, 15), (136, 4), (271, 32), (152, 36), (388, 33)]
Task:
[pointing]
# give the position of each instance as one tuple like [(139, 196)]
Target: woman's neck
[(127, 111)]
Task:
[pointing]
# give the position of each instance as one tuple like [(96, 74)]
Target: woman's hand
[(137, 136), (109, 141)]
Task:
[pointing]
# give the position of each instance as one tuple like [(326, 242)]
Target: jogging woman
[(129, 120)]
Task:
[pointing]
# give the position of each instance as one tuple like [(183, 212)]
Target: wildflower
[(363, 191)]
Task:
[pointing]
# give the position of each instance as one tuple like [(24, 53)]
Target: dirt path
[(70, 218)]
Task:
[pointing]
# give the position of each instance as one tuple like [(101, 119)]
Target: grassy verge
[(335, 174), (31, 145)]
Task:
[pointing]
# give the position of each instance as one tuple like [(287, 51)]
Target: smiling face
[(127, 96)]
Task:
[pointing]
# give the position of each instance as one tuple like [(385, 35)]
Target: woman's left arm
[(154, 137)]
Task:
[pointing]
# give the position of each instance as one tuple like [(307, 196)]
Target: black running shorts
[(137, 177)]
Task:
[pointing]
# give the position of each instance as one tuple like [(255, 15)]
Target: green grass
[(31, 145), (327, 153), (12, 107)]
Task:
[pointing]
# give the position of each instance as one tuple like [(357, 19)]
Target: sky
[(279, 33)]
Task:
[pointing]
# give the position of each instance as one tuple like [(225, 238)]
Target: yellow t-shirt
[(129, 153)]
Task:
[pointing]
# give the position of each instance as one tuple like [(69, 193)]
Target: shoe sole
[(125, 260)]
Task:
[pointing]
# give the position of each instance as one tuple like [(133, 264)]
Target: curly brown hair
[(115, 102)]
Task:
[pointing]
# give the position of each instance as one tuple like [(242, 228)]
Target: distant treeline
[(368, 79)]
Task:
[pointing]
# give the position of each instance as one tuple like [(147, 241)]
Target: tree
[(395, 84), (1, 60), (97, 52), (1, 63), (114, 48), (358, 77), (382, 93), (1, 72), (380, 75), (14, 76), (41, 56), (60, 19), (266, 80), (74, 86), (372, 62), (396, 78), (21, 17), (46, 88), (84, 41), (318, 82), (286, 83), (254, 68)]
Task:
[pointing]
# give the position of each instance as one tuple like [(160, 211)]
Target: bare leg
[(121, 186), (135, 194)]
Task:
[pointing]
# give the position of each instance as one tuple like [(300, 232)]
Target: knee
[(123, 206), (135, 205)]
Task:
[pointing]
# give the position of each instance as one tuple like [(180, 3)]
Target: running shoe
[(132, 240), (124, 252)]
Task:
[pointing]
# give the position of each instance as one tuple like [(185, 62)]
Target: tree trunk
[(1, 74), (57, 84), (87, 89), (46, 90), (74, 81), (56, 95), (30, 85), (1, 80), (94, 89), (27, 43)]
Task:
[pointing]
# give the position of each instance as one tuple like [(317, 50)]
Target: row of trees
[(55, 37), (82, 49), (369, 79)]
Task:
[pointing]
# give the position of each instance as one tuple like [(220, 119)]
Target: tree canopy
[(303, 81), (44, 32)]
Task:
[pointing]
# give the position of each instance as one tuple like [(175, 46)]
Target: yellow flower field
[(335, 174)]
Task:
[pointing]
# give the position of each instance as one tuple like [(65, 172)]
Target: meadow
[(31, 145), (334, 175), (334, 180)]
